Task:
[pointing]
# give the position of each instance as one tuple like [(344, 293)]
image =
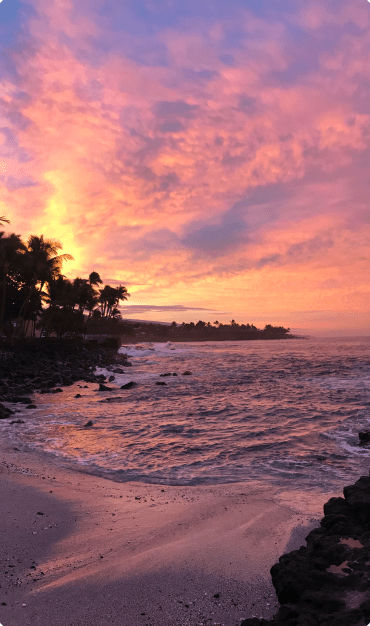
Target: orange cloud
[(220, 170)]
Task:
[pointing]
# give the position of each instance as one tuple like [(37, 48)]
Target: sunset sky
[(212, 156)]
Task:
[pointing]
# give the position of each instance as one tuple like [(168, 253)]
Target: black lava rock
[(313, 584), (364, 437), (20, 400), (128, 385), (104, 387)]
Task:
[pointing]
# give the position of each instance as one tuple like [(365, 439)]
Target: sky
[(212, 156)]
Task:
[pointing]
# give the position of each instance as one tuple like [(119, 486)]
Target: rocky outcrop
[(364, 437), (5, 412), (45, 366), (327, 582)]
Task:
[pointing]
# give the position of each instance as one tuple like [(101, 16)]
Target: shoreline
[(136, 553), (79, 549)]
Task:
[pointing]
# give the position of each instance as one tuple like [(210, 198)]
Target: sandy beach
[(82, 550)]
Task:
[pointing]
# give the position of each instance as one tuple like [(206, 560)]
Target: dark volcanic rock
[(20, 400), (89, 424), (104, 387), (5, 412), (327, 582), (45, 365), (357, 497), (128, 385), (364, 437)]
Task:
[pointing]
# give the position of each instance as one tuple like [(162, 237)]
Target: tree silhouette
[(42, 264), (11, 248)]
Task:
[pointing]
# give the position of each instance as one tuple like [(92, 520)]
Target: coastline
[(133, 553), (80, 549)]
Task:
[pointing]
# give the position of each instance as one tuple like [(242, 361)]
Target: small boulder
[(160, 383), (89, 424), (104, 387), (31, 406), (21, 400), (78, 395), (5, 412), (187, 373), (364, 437), (128, 385), (111, 378)]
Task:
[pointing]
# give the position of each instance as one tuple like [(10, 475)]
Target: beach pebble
[(128, 385), (364, 436), (104, 387)]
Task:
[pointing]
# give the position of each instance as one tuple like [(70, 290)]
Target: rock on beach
[(45, 366), (327, 582)]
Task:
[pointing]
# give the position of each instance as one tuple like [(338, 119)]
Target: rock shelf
[(327, 582), (47, 366)]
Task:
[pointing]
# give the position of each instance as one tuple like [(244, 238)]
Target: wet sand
[(78, 550)]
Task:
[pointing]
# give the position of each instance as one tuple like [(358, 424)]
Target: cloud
[(145, 308), (173, 126), (187, 144), (13, 183), (300, 252), (178, 109)]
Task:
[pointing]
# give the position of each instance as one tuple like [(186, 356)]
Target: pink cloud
[(139, 168)]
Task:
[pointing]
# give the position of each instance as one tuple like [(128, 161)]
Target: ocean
[(284, 413)]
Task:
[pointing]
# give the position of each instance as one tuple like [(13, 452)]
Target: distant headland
[(201, 331)]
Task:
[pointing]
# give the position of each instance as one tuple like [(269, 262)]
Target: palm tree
[(11, 248), (42, 265), (94, 279), (4, 220), (110, 298)]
